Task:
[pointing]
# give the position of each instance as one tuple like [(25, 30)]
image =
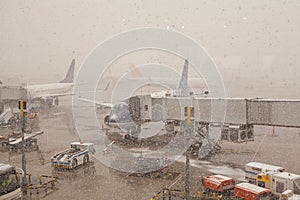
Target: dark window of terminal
[(146, 107)]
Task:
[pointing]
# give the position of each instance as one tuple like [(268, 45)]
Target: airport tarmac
[(279, 148)]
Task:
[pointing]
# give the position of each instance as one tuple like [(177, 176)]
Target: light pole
[(189, 129), (22, 107)]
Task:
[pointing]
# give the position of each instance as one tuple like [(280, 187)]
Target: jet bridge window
[(146, 108)]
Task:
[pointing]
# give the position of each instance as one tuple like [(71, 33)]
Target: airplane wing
[(26, 136), (60, 94), (55, 95), (98, 103)]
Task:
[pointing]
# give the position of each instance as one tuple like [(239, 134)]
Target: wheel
[(234, 135), (74, 163), (127, 137), (250, 134), (243, 135), (85, 159)]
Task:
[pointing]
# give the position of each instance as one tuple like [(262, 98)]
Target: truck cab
[(79, 153), (83, 146)]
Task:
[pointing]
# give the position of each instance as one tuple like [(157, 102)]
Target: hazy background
[(255, 44)]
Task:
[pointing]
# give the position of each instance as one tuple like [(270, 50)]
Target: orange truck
[(218, 183), (248, 191)]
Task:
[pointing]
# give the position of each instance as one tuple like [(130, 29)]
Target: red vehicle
[(218, 183), (248, 191)]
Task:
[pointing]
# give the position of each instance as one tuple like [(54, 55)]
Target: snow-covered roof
[(264, 167), (252, 188), (218, 178), (287, 175), (81, 143)]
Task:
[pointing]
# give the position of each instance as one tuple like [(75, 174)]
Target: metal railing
[(174, 194), (50, 183)]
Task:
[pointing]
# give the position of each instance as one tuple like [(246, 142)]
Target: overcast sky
[(253, 40)]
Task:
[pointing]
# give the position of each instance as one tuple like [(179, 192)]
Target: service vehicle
[(254, 168), (285, 181), (248, 191), (218, 183), (79, 154), (279, 182), (9, 183)]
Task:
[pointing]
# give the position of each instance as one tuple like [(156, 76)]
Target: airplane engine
[(119, 114), (49, 101), (120, 117)]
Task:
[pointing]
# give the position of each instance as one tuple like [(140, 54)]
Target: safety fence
[(46, 185), (176, 194)]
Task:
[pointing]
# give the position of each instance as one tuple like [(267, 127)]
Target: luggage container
[(248, 191), (218, 183)]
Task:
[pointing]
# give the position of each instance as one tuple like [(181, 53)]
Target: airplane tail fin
[(70, 74), (183, 84)]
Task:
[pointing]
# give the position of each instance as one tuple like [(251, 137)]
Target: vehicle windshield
[(297, 187), (9, 182), (78, 147)]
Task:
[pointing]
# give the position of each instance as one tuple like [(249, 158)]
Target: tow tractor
[(78, 154)]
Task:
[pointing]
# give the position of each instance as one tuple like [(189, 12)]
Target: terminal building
[(9, 98)]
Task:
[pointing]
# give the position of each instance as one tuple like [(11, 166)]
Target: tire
[(250, 134), (234, 136), (127, 137), (243, 135), (74, 164), (86, 159)]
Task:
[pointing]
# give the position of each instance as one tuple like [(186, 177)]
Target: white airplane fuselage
[(49, 90)]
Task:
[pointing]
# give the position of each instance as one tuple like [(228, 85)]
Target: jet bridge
[(9, 97), (273, 112), (270, 112), (240, 117), (10, 94)]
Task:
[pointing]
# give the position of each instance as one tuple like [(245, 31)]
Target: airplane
[(240, 113), (48, 93), (140, 75), (120, 115)]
